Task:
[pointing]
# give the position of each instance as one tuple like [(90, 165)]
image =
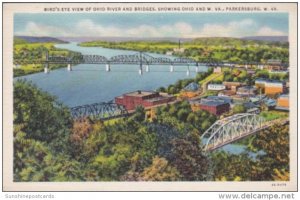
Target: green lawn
[(271, 115)]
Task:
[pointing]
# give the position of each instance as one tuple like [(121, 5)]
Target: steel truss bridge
[(99, 111), (233, 128), (139, 58)]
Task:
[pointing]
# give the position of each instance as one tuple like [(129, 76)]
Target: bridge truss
[(232, 128), (99, 111)]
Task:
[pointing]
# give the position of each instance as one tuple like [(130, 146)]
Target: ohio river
[(89, 83)]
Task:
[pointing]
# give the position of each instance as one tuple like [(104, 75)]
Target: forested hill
[(228, 41), (217, 48), (31, 39)]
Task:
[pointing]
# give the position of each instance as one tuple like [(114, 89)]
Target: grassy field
[(273, 114)]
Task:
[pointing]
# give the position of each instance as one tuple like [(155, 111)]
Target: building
[(275, 65), (143, 98), (169, 53), (190, 91), (260, 83), (246, 91), (213, 104), (226, 93), (216, 87), (232, 85), (283, 102), (217, 70), (274, 87), (251, 107)]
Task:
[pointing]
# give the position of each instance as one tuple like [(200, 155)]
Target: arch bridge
[(231, 129)]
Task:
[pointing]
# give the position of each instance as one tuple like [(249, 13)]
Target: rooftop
[(192, 87), (140, 93), (284, 96)]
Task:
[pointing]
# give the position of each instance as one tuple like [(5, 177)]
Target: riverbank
[(25, 54)]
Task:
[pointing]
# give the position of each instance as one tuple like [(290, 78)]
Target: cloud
[(231, 29), (87, 27), (267, 31)]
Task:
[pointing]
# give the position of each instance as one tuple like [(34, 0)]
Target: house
[(226, 93), (274, 87), (190, 91), (143, 98), (246, 91), (217, 70), (283, 102), (251, 108), (232, 85), (260, 83)]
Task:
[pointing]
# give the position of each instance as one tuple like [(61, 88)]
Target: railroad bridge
[(99, 111)]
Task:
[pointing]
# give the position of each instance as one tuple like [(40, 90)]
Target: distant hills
[(171, 39), (32, 39), (268, 38)]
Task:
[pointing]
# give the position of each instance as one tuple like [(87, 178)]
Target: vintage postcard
[(150, 96)]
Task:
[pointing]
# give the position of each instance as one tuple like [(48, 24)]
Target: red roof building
[(143, 98)]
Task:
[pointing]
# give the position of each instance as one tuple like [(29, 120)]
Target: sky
[(186, 25)]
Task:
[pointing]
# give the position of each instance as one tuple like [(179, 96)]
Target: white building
[(216, 87)]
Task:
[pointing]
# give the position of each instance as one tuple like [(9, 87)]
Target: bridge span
[(233, 128), (99, 111)]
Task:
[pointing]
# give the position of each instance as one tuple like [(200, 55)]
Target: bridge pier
[(141, 70), (171, 68), (147, 68), (69, 67), (197, 69), (107, 67), (46, 68), (188, 71)]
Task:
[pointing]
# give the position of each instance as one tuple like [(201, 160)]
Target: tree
[(42, 117), (160, 170), (274, 163), (34, 161), (188, 159), (139, 114), (239, 109), (230, 167)]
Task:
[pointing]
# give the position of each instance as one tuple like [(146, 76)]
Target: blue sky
[(152, 25)]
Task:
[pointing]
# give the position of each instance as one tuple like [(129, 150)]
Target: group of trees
[(273, 76), (50, 146)]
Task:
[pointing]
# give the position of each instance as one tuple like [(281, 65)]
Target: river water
[(89, 83)]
